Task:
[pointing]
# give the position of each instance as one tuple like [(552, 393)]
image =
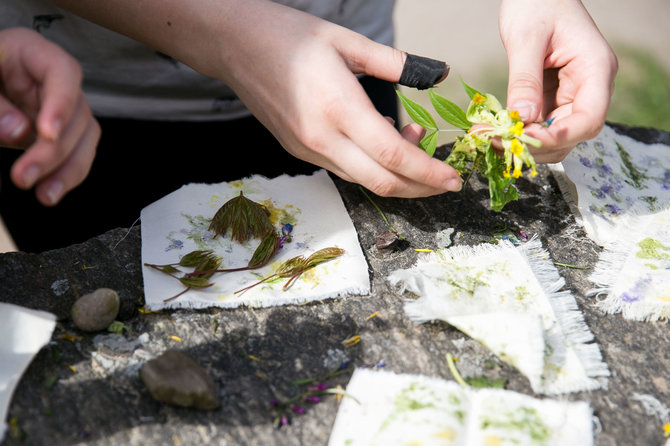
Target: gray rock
[(96, 310), (174, 378)]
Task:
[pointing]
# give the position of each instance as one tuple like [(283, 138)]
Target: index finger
[(60, 76)]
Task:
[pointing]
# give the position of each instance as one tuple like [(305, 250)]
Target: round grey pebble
[(96, 310)]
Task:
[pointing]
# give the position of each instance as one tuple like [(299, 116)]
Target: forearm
[(200, 33)]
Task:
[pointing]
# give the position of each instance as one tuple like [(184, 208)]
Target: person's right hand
[(43, 110)]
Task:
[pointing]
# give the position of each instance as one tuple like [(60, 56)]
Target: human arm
[(560, 66), (295, 73), (43, 110)]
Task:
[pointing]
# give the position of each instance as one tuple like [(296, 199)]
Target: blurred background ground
[(465, 34)]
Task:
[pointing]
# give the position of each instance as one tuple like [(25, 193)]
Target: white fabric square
[(178, 224), (632, 276), (387, 409), (511, 300), (613, 176)]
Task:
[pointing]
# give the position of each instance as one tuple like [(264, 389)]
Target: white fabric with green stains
[(510, 299), (385, 409)]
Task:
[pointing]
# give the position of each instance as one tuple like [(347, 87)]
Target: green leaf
[(449, 111), (501, 189), (195, 282), (194, 258), (481, 382), (418, 114), (429, 143), (469, 90), (244, 217), (267, 248)]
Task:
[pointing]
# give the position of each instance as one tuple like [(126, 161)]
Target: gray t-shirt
[(126, 79)]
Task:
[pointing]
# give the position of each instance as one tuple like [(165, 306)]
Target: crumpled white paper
[(178, 224), (23, 332), (510, 299), (387, 409)]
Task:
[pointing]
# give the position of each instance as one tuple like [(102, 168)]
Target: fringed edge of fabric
[(578, 335)]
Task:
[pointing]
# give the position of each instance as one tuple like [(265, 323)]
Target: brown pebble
[(174, 378)]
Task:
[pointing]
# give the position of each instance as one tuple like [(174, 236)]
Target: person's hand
[(43, 110), (295, 73), (561, 67)]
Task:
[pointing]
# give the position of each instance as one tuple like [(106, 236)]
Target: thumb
[(524, 88), (387, 63)]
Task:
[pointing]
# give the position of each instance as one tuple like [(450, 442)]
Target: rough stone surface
[(96, 310), (253, 355), (175, 378)]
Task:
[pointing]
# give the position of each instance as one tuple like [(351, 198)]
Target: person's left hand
[(43, 110), (561, 67)]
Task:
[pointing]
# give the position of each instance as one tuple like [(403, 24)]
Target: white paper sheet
[(178, 224), (23, 332)]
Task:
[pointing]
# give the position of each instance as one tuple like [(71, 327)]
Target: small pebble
[(174, 378), (96, 310)]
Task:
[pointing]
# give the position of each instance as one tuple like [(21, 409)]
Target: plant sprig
[(484, 120), (295, 266), (246, 219)]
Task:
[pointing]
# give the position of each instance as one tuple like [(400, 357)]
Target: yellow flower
[(666, 429), (506, 172), (516, 147), (517, 129), (478, 98), (514, 114), (517, 171)]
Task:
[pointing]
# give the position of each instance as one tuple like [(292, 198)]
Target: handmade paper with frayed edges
[(598, 184), (627, 280), (510, 299), (387, 409), (177, 224), (23, 332)]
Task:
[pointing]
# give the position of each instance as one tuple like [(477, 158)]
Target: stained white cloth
[(618, 189), (178, 224), (23, 332), (510, 299), (632, 276), (387, 409), (613, 176)]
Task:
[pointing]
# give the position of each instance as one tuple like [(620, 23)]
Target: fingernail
[(30, 176), (12, 125), (454, 184), (55, 192), (526, 110), (54, 131)]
